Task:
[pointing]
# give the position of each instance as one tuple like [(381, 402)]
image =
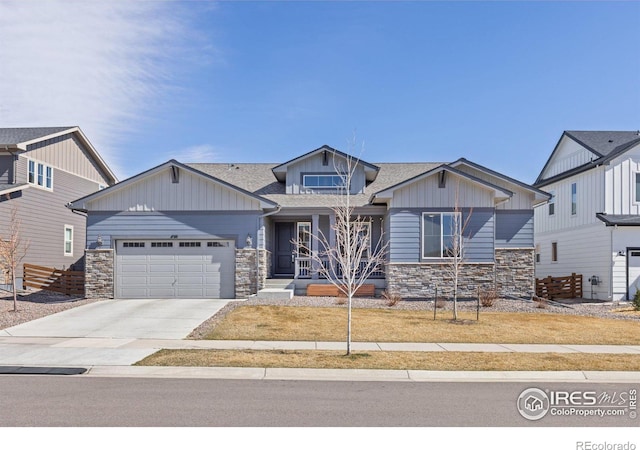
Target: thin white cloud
[(204, 153), (102, 65)]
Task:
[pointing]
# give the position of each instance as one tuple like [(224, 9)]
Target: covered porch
[(284, 233)]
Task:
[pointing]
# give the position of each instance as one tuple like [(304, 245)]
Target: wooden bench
[(329, 290)]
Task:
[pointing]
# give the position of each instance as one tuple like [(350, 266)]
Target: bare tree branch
[(13, 249), (351, 260)]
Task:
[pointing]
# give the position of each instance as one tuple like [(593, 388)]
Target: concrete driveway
[(135, 319), (103, 333)]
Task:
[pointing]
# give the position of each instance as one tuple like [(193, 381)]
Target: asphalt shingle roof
[(258, 179), (604, 142), (12, 136)]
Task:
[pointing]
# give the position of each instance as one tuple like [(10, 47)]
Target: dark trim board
[(628, 250)]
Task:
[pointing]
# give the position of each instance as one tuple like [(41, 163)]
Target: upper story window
[(439, 234), (323, 181), (40, 174), (574, 199), (637, 196), (552, 203)]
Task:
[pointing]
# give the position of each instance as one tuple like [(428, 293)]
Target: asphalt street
[(77, 401)]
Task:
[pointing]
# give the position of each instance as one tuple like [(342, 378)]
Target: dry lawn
[(628, 311), (394, 360), (286, 323)]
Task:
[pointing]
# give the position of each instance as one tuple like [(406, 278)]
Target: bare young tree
[(13, 249), (453, 251), (352, 258)]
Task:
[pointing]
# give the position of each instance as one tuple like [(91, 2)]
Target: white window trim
[(298, 226), (573, 214), (36, 165), (64, 241), (436, 258), (552, 201), (635, 189)]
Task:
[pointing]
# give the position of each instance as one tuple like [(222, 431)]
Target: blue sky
[(495, 82)]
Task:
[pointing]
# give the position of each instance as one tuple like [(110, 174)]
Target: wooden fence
[(559, 287), (69, 282)]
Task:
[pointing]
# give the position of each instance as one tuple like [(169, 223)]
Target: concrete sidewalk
[(91, 351)]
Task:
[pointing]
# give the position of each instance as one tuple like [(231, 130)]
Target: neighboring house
[(41, 170), (591, 225), (220, 230)]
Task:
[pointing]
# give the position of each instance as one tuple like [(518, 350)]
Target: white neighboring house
[(591, 225)]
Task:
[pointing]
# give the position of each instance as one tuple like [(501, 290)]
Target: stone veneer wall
[(420, 280), (515, 271), (99, 273), (246, 271)]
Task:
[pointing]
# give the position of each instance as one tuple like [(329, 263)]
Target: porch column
[(315, 227)]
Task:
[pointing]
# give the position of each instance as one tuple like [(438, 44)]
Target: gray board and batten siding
[(66, 152), (486, 230), (112, 225), (314, 165)]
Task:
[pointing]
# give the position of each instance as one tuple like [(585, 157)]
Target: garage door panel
[(166, 270), (190, 268)]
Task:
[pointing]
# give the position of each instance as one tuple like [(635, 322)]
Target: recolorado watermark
[(588, 445), (535, 403)]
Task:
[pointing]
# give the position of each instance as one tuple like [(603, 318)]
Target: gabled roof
[(20, 138), (539, 194), (605, 145), (371, 170), (386, 193), (259, 179), (81, 203), (16, 136)]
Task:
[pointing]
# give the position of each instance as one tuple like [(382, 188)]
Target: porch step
[(279, 283), (275, 293)]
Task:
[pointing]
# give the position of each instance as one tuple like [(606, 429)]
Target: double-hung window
[(441, 235), (40, 174)]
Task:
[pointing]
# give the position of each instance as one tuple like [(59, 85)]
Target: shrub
[(488, 297), (440, 302), (392, 299), (636, 301)]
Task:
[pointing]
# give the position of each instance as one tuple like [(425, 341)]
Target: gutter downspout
[(258, 220)]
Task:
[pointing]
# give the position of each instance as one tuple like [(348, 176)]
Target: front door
[(285, 234)]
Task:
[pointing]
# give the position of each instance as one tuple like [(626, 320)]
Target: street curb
[(280, 374)]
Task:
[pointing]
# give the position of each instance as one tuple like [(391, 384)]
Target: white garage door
[(175, 269)]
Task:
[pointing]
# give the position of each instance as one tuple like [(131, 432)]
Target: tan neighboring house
[(41, 171)]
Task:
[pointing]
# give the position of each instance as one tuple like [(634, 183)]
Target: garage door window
[(190, 244), (133, 244), (217, 244), (162, 244)]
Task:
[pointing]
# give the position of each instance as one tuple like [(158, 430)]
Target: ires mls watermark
[(534, 403)]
